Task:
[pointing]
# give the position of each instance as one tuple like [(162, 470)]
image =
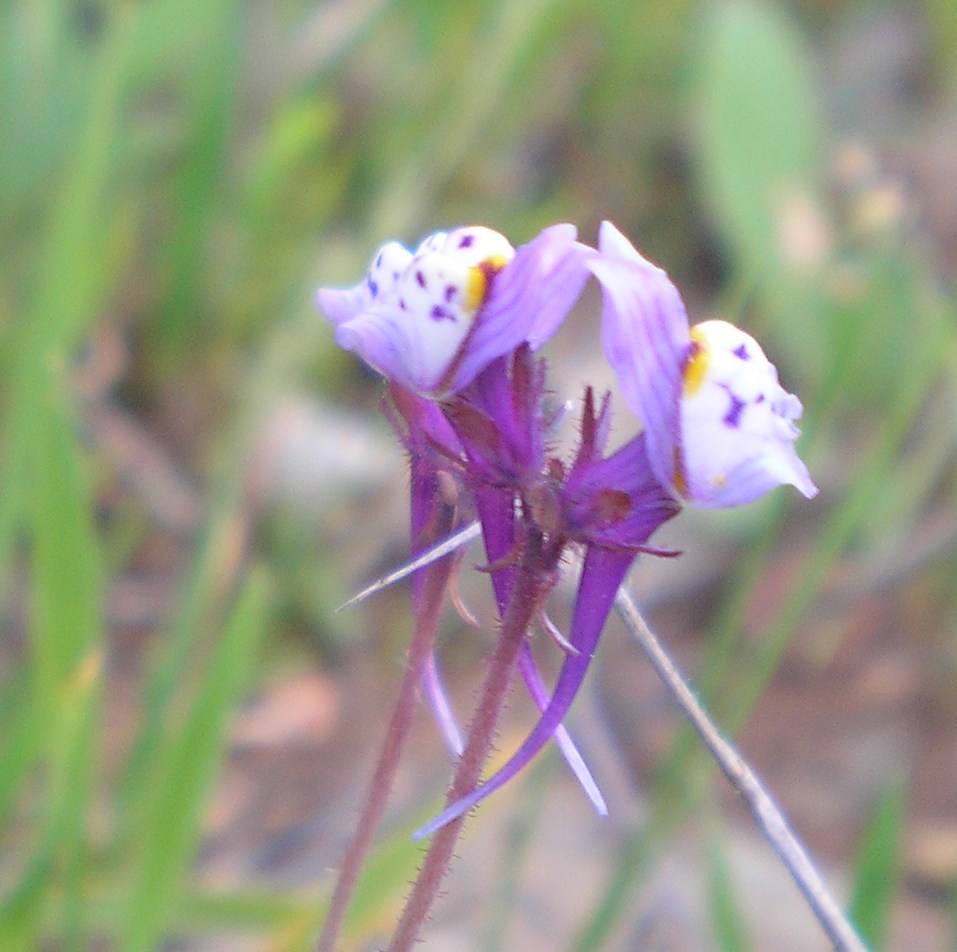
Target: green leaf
[(760, 139)]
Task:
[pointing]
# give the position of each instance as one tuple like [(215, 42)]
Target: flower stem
[(423, 641), (525, 597)]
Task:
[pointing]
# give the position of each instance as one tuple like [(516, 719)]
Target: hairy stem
[(525, 596), (429, 605)]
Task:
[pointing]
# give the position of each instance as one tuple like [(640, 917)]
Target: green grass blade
[(206, 593), (22, 744), (726, 919), (22, 911), (172, 819), (70, 277), (66, 654), (66, 603), (878, 867), (461, 120), (215, 42)]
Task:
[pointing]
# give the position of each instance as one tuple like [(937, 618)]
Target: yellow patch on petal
[(477, 287), (478, 281), (696, 366)]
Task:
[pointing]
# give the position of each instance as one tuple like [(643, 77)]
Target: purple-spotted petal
[(411, 314), (602, 573), (346, 304), (433, 319), (646, 338), (738, 422), (341, 304)]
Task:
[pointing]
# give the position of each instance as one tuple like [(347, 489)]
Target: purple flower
[(720, 428), (431, 319), (453, 326)]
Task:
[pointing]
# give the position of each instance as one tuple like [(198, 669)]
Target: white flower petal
[(737, 422)]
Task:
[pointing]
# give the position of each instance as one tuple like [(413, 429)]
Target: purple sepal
[(617, 503), (539, 694), (496, 512), (602, 573), (500, 421), (422, 427)]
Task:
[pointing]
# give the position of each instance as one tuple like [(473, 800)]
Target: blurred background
[(193, 477)]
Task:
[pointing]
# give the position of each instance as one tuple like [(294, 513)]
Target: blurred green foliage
[(175, 177)]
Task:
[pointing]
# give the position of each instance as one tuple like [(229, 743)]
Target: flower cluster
[(454, 326)]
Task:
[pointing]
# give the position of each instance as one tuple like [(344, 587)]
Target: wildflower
[(431, 319), (720, 427), (453, 326)]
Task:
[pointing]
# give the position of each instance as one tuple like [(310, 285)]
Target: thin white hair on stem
[(455, 541), (765, 811)]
